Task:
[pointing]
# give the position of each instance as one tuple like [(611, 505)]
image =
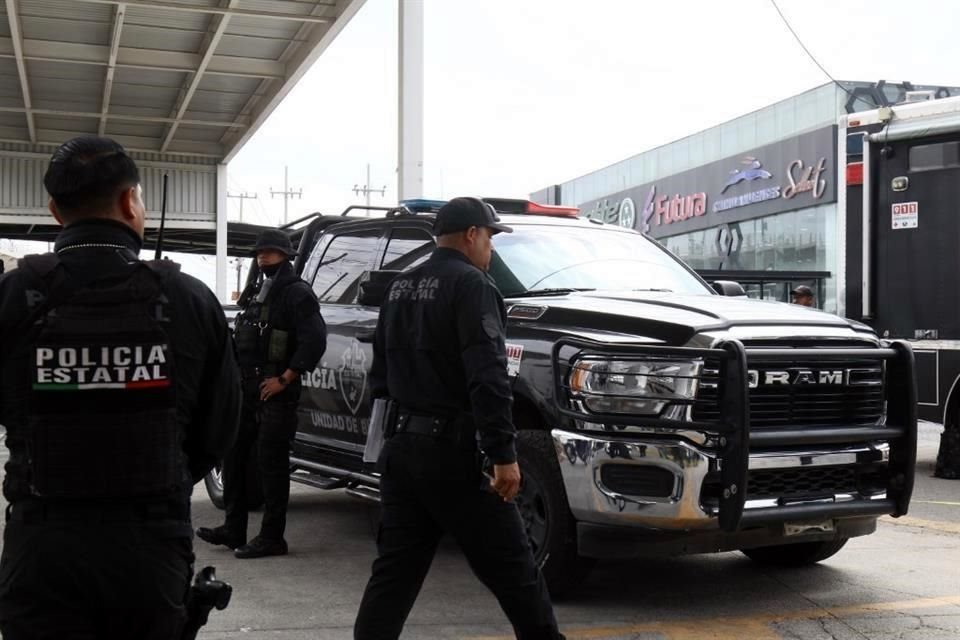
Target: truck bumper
[(658, 486), (612, 542)]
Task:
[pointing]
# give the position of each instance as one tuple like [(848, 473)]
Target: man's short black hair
[(87, 173)]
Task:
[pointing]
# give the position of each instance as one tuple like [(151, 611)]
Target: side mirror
[(373, 286), (728, 288)]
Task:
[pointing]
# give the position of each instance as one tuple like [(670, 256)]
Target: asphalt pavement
[(903, 582)]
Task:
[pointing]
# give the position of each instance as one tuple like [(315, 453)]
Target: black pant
[(428, 488), (65, 580), (266, 428)]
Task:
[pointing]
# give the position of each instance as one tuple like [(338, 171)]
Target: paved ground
[(902, 582)]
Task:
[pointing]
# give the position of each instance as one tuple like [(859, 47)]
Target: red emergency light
[(552, 210), (854, 173), (516, 205)]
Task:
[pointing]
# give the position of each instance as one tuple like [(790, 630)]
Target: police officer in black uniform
[(280, 334), (119, 390), (439, 353)]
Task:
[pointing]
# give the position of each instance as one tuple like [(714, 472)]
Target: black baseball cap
[(274, 239), (803, 290), (460, 214)]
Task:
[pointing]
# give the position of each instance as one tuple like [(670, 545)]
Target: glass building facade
[(770, 246)]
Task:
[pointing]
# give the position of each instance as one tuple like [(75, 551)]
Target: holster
[(390, 420), (206, 593)]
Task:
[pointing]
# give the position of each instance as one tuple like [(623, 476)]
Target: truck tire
[(948, 456), (213, 481), (546, 516), (795, 555)]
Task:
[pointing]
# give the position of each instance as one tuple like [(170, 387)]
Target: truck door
[(335, 405), (916, 224), (335, 409)]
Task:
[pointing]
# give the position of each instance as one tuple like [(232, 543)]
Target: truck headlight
[(645, 387)]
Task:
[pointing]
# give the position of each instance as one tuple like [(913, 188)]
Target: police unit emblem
[(353, 376)]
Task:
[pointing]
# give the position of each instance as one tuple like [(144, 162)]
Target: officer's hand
[(270, 387), (506, 480)]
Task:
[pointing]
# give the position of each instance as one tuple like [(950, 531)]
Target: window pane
[(407, 248), (346, 258), (935, 156), (595, 258)]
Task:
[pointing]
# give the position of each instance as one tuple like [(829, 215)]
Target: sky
[(522, 94)]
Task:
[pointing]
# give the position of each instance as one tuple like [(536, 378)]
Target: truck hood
[(671, 317)]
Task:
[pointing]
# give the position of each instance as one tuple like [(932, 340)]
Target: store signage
[(754, 172), (803, 179), (788, 175), (657, 210)]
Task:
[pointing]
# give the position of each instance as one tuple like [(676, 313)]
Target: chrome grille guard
[(731, 429)]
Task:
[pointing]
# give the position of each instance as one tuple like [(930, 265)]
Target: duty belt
[(261, 371), (445, 428)]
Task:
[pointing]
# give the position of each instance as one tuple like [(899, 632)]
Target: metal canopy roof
[(178, 77), (241, 237)]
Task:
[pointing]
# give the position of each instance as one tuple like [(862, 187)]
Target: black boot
[(220, 536), (261, 547)]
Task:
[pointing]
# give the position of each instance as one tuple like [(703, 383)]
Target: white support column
[(221, 219), (410, 85)]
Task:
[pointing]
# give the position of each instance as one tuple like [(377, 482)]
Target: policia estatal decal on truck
[(106, 367)]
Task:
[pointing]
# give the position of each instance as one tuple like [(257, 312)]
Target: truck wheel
[(795, 555), (543, 507), (213, 481), (214, 484)]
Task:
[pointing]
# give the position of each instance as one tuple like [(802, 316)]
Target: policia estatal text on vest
[(280, 335), (440, 354), (119, 390)]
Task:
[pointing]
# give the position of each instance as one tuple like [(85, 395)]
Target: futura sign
[(791, 174)]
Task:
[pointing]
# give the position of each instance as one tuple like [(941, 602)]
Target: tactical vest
[(101, 409), (259, 342)]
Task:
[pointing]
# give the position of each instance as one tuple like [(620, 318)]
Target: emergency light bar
[(511, 205), (502, 205), (422, 205)]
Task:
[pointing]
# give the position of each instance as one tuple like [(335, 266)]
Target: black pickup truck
[(658, 414)]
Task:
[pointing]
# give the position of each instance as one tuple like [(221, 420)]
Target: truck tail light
[(854, 173)]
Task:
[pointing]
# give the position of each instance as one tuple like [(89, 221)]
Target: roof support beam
[(233, 12), (74, 53), (111, 65), (16, 38), (215, 154), (238, 124), (219, 24)]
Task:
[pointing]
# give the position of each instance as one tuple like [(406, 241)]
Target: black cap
[(803, 290), (274, 239), (462, 213)]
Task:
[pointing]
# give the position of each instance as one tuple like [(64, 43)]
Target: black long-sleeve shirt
[(207, 378), (440, 350)]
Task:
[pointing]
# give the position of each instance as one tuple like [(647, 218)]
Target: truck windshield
[(550, 258)]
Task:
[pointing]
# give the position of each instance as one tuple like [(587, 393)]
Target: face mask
[(271, 270)]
